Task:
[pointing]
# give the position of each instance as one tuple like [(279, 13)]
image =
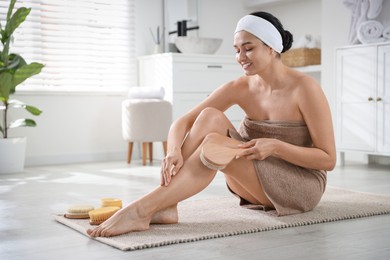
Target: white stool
[(146, 121)]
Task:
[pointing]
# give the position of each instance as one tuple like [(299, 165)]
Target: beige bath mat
[(214, 218)]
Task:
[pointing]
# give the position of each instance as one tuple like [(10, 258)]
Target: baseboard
[(379, 159), (158, 154), (74, 158)]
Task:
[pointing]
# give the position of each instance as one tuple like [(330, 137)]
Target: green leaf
[(19, 104), (14, 56), (13, 64), (22, 122), (33, 110), (4, 53), (15, 61), (1, 130), (27, 71), (10, 8), (6, 85), (17, 18)]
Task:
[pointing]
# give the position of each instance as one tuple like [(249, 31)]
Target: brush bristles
[(100, 215), (78, 211), (84, 209), (110, 202), (210, 165)]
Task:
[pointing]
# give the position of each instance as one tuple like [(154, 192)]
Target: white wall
[(149, 14), (87, 127), (73, 128), (300, 17), (82, 127), (217, 19), (335, 29)]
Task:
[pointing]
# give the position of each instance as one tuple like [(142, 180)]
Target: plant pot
[(12, 154)]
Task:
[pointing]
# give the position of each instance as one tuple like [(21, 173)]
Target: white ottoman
[(146, 121)]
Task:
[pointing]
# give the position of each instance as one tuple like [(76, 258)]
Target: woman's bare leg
[(193, 178), (168, 215), (209, 121), (241, 175), (160, 204)]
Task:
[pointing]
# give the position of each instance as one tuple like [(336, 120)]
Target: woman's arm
[(317, 115), (222, 98)]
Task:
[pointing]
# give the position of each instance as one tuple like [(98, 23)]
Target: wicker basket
[(302, 57)]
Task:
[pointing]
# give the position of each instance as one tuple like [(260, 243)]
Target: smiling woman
[(83, 44), (285, 140)]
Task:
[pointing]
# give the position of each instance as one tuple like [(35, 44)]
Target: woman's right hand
[(171, 166)]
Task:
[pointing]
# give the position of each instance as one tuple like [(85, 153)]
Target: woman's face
[(251, 53)]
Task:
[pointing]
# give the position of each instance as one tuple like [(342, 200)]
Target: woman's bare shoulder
[(239, 82), (305, 85), (233, 87)]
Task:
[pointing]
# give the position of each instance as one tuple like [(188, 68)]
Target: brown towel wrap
[(292, 189)]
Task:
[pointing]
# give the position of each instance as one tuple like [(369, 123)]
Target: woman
[(286, 136)]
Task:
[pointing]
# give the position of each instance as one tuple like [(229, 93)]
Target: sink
[(198, 45)]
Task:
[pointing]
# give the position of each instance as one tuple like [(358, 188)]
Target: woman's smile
[(246, 65)]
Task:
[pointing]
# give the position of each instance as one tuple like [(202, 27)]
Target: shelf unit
[(262, 3), (309, 69)]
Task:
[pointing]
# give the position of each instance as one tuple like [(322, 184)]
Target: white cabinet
[(383, 99), (363, 98), (189, 78)]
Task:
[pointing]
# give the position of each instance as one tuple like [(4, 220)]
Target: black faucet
[(182, 28)]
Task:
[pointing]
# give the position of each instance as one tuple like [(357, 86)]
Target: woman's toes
[(96, 232), (104, 233)]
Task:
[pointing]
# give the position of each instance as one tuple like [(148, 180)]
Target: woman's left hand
[(171, 166), (258, 149)]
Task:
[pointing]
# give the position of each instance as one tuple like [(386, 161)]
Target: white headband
[(262, 29)]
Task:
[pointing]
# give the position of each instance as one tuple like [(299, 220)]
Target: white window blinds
[(84, 44)]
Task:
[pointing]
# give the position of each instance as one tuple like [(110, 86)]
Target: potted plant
[(13, 71)]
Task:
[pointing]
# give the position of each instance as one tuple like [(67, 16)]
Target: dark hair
[(287, 37)]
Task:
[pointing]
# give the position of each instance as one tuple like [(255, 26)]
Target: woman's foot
[(166, 216), (125, 220)]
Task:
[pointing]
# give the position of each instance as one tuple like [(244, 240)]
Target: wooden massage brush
[(79, 211), (217, 156)]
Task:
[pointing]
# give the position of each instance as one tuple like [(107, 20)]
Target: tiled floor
[(27, 230)]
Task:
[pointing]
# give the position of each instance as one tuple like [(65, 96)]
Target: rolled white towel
[(144, 92), (370, 31), (386, 33), (375, 8)]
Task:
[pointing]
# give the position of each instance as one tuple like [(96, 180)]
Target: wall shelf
[(309, 69), (262, 3)]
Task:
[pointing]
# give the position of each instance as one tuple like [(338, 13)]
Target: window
[(84, 44)]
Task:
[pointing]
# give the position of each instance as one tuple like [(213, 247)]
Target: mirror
[(180, 16)]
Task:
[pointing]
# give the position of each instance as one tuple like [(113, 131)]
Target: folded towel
[(307, 41), (370, 31), (359, 10), (144, 92), (386, 33)]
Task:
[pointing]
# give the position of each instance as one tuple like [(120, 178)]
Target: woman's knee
[(212, 115), (213, 137)]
